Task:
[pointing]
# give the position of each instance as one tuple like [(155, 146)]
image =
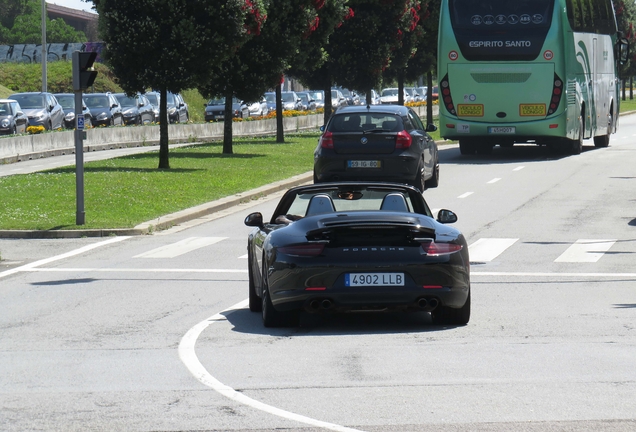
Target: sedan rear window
[(365, 122)]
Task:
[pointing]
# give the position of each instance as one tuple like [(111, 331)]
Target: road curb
[(167, 221)]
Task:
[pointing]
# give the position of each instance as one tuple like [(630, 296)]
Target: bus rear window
[(501, 29)]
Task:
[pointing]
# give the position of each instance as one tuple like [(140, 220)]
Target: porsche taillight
[(326, 140), (303, 250), (403, 140), (438, 249)]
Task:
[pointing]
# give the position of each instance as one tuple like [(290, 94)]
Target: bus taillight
[(557, 92), (446, 96)]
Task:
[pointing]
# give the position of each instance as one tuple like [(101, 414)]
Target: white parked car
[(389, 96)]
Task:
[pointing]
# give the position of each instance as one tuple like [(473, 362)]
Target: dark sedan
[(67, 100), (105, 108), (136, 109), (12, 119), (215, 109), (357, 247), (377, 143)]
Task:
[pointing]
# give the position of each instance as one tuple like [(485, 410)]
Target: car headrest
[(394, 202), (319, 204)]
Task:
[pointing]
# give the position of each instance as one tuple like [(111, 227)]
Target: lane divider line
[(467, 194), (34, 264), (189, 358)]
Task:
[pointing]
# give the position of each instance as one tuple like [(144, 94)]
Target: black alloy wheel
[(433, 182), (419, 182), (444, 315)]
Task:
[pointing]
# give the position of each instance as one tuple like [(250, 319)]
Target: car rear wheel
[(452, 316), (433, 182), (272, 317)]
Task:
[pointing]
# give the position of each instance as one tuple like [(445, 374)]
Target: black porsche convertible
[(357, 246)]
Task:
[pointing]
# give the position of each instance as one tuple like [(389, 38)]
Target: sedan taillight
[(439, 249), (303, 250), (403, 140), (326, 140)]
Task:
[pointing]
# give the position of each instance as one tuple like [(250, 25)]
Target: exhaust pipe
[(326, 304), (433, 303), (422, 303), (314, 305)]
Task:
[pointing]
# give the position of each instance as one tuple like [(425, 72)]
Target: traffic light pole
[(83, 77), (80, 214)]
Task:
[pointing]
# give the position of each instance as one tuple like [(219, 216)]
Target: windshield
[(153, 99), (96, 101), (501, 29), (270, 97), (5, 109), (170, 100), (30, 101), (317, 96), (390, 92), (126, 101), (364, 122), (288, 97), (67, 101)]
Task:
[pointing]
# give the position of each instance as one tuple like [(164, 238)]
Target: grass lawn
[(123, 192)]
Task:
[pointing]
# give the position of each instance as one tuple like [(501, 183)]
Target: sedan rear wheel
[(419, 182), (433, 182), (452, 316)]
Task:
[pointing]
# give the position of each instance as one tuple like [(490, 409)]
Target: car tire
[(419, 182), (433, 182), (254, 300), (444, 315), (272, 317)]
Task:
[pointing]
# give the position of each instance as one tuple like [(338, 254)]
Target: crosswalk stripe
[(179, 248), (589, 251), (487, 249)]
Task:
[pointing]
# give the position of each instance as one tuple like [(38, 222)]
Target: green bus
[(529, 71)]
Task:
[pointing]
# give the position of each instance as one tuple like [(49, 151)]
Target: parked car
[(389, 96), (258, 108), (67, 100), (42, 109), (12, 119), (422, 91), (290, 101), (177, 109), (357, 247), (308, 103), (375, 98), (348, 95), (337, 99), (377, 143), (215, 109), (105, 108), (154, 98), (413, 95), (137, 109), (319, 97)]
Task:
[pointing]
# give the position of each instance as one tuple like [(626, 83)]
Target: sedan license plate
[(502, 130), (374, 279), (364, 164)]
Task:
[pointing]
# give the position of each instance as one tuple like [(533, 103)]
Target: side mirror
[(322, 128), (19, 113), (431, 128), (254, 220), (623, 50), (446, 217)]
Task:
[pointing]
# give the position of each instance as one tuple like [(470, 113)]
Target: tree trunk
[(328, 106), (631, 88), (400, 80), (228, 117), (280, 133), (369, 97), (164, 149), (429, 98)]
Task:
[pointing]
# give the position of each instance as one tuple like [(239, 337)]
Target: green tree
[(22, 24), (169, 45), (259, 64)]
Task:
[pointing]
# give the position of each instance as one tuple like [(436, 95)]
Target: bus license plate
[(374, 279), (528, 110), (501, 130), (364, 164), (470, 110)]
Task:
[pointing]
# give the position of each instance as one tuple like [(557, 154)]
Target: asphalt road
[(151, 333)]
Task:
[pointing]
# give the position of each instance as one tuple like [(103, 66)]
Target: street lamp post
[(44, 55)]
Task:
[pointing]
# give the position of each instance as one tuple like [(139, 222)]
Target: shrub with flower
[(35, 129)]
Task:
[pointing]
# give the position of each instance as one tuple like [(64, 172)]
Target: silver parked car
[(43, 109), (12, 118)]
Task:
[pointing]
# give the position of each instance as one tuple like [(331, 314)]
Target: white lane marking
[(487, 249), (243, 256), (132, 270), (189, 358), (495, 180), (568, 275), (33, 265), (519, 168), (181, 247), (467, 194), (589, 251)]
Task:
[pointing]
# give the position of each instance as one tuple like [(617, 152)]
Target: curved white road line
[(191, 361)]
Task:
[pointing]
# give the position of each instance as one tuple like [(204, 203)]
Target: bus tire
[(467, 147), (603, 140)]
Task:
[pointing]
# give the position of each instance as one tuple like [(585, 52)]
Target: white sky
[(75, 4)]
